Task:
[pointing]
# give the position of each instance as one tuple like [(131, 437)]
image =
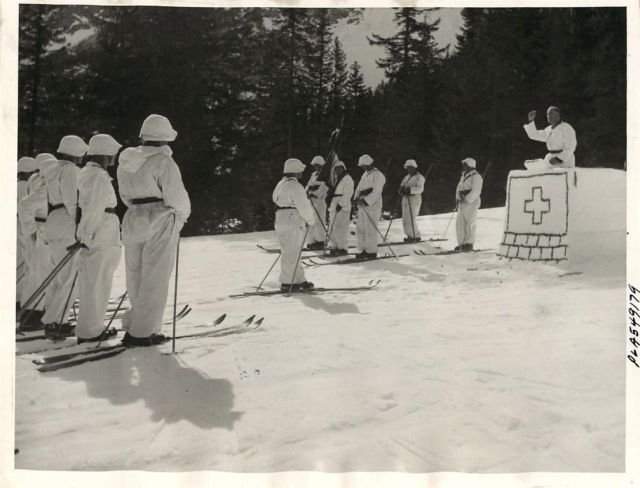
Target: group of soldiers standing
[(301, 212), (70, 236)]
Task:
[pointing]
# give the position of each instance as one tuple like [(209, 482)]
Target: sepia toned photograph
[(336, 240)]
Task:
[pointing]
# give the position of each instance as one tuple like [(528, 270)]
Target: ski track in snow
[(455, 363)]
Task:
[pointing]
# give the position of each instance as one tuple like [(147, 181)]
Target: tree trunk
[(33, 119)]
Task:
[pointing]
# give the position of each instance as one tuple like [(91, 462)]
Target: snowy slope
[(456, 363)]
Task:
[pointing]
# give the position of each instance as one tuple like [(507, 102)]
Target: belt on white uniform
[(41, 219), (145, 200), (285, 208), (110, 210)]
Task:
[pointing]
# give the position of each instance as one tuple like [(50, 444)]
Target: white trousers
[(410, 209), (466, 223), (149, 263), (366, 233), (339, 225), (290, 230), (317, 230), (96, 268)]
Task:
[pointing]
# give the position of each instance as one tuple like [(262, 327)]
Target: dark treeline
[(248, 87)]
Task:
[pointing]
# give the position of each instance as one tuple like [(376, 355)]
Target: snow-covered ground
[(455, 363)]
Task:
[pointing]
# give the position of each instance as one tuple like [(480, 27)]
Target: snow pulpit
[(561, 214)]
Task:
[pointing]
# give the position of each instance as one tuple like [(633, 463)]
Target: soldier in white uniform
[(317, 193), (60, 233), (368, 196), (411, 189), (340, 210), (99, 232), (294, 214), (468, 200), (559, 137), (150, 185), (27, 167), (33, 217)]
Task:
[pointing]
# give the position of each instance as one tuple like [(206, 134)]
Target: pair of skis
[(316, 252), (265, 293), (184, 311), (61, 361)]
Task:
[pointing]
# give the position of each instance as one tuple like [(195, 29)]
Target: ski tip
[(220, 319), (249, 320), (258, 322)]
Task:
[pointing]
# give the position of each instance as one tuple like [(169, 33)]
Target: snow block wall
[(561, 214)]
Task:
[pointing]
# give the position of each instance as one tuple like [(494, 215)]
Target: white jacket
[(471, 184), (97, 228), (34, 205), (62, 186), (147, 171), (415, 183), (343, 193), (560, 138), (290, 193), (375, 180)]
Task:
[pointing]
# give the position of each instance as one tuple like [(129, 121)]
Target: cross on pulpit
[(537, 206)]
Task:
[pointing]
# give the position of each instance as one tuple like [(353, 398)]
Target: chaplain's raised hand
[(532, 116)]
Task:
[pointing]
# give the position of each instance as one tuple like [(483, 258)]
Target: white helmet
[(293, 165), (365, 160), (103, 145), (72, 146), (27, 164), (469, 162), (318, 161), (45, 161), (339, 164), (157, 128), (411, 163)]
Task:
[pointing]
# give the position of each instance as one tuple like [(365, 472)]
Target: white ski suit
[(150, 185), (411, 203), (33, 216), (339, 220), (60, 233), (318, 198), (561, 142), (294, 212), (24, 248), (370, 189), (99, 230), (468, 198)]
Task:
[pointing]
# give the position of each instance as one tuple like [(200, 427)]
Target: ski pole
[(386, 234), (364, 209), (175, 298), (298, 260), (66, 303), (72, 250), (103, 334), (442, 236), (259, 287)]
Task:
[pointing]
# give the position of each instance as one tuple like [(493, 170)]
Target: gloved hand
[(76, 245)]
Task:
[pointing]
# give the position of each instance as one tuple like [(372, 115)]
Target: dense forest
[(248, 87)]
